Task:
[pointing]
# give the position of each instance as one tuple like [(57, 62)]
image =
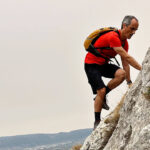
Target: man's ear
[(124, 25)]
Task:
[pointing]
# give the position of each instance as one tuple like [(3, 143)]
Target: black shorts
[(95, 73)]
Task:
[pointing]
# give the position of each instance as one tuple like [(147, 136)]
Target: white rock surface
[(128, 126)]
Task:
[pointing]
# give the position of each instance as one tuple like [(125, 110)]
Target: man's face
[(129, 30)]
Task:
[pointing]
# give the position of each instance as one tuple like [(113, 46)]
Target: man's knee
[(101, 91), (120, 73)]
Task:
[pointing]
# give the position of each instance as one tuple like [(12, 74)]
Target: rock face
[(128, 126)]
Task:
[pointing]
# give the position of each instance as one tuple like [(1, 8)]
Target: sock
[(107, 90), (97, 116)]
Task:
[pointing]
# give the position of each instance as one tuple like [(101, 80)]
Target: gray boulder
[(128, 126)]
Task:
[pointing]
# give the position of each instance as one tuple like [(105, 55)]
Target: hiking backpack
[(91, 39)]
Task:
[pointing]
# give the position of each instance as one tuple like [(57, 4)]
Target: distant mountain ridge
[(44, 141)]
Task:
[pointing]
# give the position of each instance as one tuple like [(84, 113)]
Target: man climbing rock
[(96, 66)]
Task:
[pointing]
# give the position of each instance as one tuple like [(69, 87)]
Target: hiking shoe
[(104, 106), (96, 123)]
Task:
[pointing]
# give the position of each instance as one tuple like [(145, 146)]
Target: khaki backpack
[(91, 39)]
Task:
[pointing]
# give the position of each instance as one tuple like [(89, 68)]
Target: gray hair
[(127, 20)]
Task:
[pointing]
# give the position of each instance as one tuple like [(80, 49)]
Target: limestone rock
[(128, 126)]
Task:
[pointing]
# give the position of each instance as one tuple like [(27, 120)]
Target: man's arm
[(129, 59), (126, 67)]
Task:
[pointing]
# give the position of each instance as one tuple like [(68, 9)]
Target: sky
[(43, 86)]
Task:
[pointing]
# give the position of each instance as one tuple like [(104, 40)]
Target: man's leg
[(98, 105), (117, 80), (99, 99), (93, 72)]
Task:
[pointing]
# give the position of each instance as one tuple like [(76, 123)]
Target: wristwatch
[(129, 82)]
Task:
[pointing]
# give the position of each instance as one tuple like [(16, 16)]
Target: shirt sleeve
[(114, 40)]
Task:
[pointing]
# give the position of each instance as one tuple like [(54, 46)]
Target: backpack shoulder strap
[(104, 31)]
